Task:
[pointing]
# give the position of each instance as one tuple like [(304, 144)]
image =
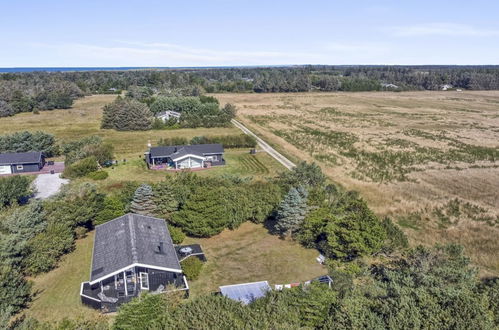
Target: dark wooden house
[(186, 156), (21, 162), (132, 254)]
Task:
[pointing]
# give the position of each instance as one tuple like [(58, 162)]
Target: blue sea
[(12, 70), (69, 69)]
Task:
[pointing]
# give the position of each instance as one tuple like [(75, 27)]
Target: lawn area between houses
[(246, 254)]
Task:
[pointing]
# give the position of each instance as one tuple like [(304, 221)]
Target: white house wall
[(190, 162)]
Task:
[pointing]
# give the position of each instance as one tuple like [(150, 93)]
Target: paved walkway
[(265, 146), (47, 185)]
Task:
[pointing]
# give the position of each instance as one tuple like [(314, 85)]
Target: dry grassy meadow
[(430, 160)]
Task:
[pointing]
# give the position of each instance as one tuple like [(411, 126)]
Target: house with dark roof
[(186, 156), (132, 254), (21, 162)]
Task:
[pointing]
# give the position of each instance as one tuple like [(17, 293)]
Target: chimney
[(160, 247)]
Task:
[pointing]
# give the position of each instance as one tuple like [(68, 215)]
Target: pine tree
[(143, 201), (165, 199), (291, 211)]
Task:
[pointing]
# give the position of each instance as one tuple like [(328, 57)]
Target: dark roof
[(131, 239), (195, 149), (20, 158)]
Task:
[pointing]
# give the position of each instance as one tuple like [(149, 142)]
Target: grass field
[(57, 292), (84, 120), (248, 253), (409, 154)]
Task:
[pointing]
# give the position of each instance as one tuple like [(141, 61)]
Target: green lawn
[(56, 293), (250, 254)]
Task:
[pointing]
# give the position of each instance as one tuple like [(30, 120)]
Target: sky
[(77, 33)]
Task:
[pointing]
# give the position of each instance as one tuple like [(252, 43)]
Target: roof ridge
[(133, 242)]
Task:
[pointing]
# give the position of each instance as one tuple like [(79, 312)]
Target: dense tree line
[(228, 141), (24, 93), (29, 141), (137, 111), (27, 91)]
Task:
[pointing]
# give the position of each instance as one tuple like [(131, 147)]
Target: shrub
[(81, 168), (98, 175), (228, 141), (27, 141), (14, 189), (177, 234), (192, 268), (46, 248), (208, 99), (173, 141), (113, 208), (5, 109), (127, 115), (87, 147), (81, 232)]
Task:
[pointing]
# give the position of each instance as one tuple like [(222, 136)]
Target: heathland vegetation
[(429, 160)]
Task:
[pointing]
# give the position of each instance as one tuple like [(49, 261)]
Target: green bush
[(228, 141), (14, 189), (177, 234), (98, 175), (81, 168), (46, 248), (113, 208), (127, 115), (192, 268), (29, 141)]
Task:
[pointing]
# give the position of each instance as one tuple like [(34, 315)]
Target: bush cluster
[(14, 190), (81, 168), (91, 146), (29, 141), (228, 141), (127, 114), (192, 268), (98, 175)]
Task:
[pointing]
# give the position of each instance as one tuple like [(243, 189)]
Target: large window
[(144, 281)]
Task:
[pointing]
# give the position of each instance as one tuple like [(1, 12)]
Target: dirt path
[(265, 146)]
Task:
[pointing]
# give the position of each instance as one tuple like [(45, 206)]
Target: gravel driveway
[(47, 185)]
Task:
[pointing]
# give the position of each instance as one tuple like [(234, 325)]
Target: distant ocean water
[(12, 70), (68, 69)]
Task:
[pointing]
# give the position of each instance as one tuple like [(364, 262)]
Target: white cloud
[(442, 29), (125, 53), (356, 47)]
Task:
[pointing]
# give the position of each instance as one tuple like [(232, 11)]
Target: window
[(211, 157), (144, 281), (20, 167)]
